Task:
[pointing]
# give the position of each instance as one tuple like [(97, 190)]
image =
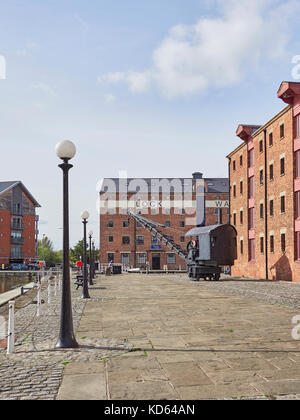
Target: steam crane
[(210, 247)]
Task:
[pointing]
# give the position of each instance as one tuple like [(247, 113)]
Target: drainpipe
[(266, 206)]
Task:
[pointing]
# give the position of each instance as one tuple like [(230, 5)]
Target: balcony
[(17, 226), (17, 241), (17, 256)]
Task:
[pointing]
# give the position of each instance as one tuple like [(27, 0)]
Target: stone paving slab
[(145, 337)]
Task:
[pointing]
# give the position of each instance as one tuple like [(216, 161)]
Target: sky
[(155, 88)]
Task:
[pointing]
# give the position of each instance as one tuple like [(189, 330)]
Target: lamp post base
[(67, 343)]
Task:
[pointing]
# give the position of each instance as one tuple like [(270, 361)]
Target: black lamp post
[(90, 257), (66, 150), (94, 262), (85, 215)]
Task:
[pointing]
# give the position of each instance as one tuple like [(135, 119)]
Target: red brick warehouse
[(170, 202), (264, 176), (18, 224)]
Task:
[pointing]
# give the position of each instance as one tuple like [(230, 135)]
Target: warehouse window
[(110, 224), (261, 210), (241, 160), (283, 244), (140, 240), (261, 146), (126, 240), (282, 131), (182, 224), (242, 247), (282, 166), (125, 259), (234, 219), (234, 191), (126, 224), (111, 239), (272, 243), (233, 165), (271, 170), (270, 139), (168, 224), (110, 257), (261, 244), (261, 177), (141, 259), (282, 204), (241, 187), (271, 208), (182, 239), (171, 259), (241, 217)]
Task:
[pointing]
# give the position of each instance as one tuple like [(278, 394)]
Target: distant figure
[(110, 266), (147, 267)]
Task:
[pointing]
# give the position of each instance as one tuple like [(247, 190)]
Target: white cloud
[(45, 88), (84, 25), (217, 51), (29, 47), (109, 98)]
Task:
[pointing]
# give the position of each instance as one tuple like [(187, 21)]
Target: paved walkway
[(188, 341)]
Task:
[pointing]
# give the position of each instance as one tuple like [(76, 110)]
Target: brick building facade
[(18, 224), (264, 174), (171, 203)]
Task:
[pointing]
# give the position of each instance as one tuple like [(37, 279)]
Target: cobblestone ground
[(285, 294), (35, 370)]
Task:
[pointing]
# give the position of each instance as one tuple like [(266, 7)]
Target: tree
[(77, 252), (46, 253)]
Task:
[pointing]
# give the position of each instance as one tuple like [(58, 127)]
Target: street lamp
[(66, 150), (85, 215), (90, 257)]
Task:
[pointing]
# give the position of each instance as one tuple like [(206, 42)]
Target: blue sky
[(156, 88)]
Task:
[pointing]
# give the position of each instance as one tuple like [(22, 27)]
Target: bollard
[(59, 282), (49, 292), (38, 308), (11, 328), (55, 286)]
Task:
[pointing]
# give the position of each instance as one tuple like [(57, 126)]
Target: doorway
[(156, 262)]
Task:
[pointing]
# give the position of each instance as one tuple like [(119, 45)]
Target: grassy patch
[(65, 363)]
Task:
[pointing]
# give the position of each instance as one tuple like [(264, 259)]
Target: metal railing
[(17, 241)]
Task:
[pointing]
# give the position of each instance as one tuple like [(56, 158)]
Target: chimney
[(197, 175)]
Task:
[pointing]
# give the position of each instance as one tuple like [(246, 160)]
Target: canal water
[(10, 281)]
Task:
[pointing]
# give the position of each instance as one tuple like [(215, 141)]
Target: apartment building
[(18, 224)]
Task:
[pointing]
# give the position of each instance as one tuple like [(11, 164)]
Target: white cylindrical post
[(11, 328), (55, 286), (38, 308), (59, 282), (49, 291)]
